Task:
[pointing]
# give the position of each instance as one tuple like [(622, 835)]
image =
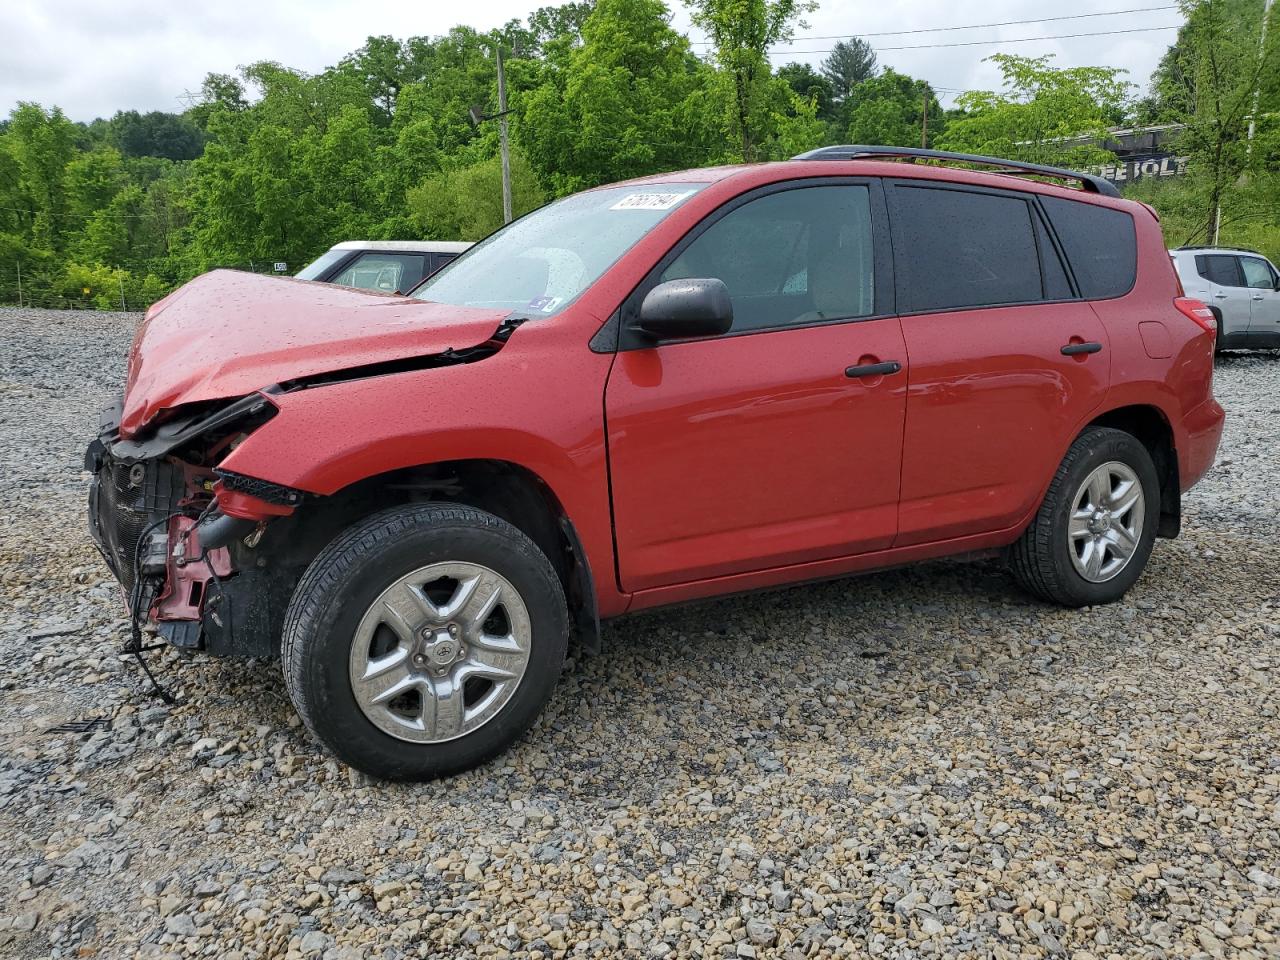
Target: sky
[(93, 58)]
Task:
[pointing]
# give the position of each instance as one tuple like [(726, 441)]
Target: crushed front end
[(180, 535)]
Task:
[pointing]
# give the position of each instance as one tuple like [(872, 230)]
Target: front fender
[(545, 417)]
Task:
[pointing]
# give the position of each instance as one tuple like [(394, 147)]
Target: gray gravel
[(917, 763)]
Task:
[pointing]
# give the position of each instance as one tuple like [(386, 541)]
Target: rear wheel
[(424, 640), (1093, 534)]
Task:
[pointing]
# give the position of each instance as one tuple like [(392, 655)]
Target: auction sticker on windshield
[(650, 201)]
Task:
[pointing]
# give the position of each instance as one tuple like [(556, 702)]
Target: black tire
[(1041, 559), (348, 576), (1217, 341)]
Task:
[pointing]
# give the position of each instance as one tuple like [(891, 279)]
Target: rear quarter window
[(1101, 245)]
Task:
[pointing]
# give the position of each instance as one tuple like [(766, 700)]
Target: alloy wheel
[(1105, 527), (440, 652)]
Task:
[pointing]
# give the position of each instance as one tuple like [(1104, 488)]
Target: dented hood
[(228, 333)]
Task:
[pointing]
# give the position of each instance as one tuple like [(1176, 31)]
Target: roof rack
[(1089, 182), (1209, 246)]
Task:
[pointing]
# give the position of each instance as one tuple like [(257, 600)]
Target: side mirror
[(698, 307)]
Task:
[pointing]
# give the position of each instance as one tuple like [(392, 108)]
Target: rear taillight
[(1197, 311)]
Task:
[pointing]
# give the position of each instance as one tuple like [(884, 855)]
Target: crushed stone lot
[(917, 763)]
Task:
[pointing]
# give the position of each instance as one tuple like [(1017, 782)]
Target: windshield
[(540, 263), (320, 266)]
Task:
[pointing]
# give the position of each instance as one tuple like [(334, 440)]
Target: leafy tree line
[(274, 164)]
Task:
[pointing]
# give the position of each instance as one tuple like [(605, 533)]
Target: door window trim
[(1034, 210), (622, 337)]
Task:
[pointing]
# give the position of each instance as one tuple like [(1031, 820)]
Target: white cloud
[(92, 58)]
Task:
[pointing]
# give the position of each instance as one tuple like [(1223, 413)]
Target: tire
[(1217, 342), (339, 637), (1052, 560)]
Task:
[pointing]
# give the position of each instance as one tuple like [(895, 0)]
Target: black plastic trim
[(1090, 182)]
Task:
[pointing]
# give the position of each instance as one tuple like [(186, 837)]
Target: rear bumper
[(1199, 446)]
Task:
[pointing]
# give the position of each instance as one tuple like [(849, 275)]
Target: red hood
[(227, 333)]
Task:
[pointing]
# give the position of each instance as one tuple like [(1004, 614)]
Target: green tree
[(1044, 115), (466, 203), (630, 100), (1215, 79), (741, 32), (155, 134), (42, 144), (890, 110), (808, 84), (850, 63)]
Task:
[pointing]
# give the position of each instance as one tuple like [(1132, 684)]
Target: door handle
[(1219, 296), (1074, 349), (873, 369), (1259, 297)]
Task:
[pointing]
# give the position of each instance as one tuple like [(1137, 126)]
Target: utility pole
[(502, 138), (1257, 87), (924, 122), (123, 308)]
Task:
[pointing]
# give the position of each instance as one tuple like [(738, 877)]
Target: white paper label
[(650, 201)]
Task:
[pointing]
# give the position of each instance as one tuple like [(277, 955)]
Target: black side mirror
[(697, 307)]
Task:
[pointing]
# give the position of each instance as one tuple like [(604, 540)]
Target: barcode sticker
[(650, 201)]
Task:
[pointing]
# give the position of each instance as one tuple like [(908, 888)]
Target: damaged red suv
[(659, 391)]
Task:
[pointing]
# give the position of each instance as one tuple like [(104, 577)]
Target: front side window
[(1222, 269), (387, 272), (798, 256), (539, 264), (1257, 273), (959, 249)]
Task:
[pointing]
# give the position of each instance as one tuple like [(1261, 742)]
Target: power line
[(974, 26), (990, 43)]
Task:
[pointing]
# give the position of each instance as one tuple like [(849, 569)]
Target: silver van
[(391, 266), (1241, 287)]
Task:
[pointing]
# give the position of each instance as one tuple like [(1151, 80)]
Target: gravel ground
[(918, 763)]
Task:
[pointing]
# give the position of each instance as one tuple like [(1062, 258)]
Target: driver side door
[(767, 446)]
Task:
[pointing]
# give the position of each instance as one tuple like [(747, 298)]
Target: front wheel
[(1093, 534), (424, 640)]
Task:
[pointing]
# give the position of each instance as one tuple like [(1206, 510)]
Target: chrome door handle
[(1259, 297), (1219, 296)]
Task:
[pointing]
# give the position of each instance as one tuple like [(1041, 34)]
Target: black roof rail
[(1091, 183)]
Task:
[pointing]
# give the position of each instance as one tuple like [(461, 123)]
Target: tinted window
[(1257, 273), (798, 256), (1056, 284), (960, 249), (1220, 269), (387, 272), (1100, 243)]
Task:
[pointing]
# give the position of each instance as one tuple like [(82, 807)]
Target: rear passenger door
[(987, 309)]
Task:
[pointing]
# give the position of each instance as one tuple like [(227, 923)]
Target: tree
[(155, 134), (808, 84), (741, 32), (466, 203), (890, 110), (630, 100), (850, 63), (1216, 77), (1044, 115)]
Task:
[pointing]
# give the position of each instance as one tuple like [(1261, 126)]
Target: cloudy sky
[(93, 58)]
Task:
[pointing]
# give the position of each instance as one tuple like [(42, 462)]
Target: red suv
[(674, 388)]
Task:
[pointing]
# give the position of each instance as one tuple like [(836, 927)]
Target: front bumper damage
[(179, 535)]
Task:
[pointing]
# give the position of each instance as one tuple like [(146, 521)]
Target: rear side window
[(1219, 269), (387, 272), (1100, 243), (958, 249)]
